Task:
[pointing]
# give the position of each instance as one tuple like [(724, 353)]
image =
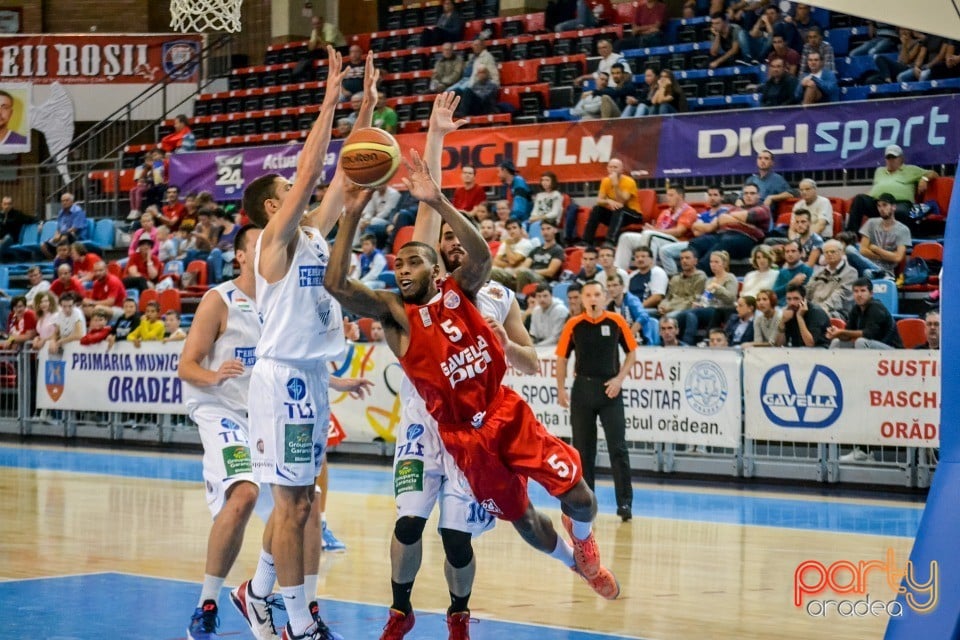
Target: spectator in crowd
[(345, 124), (884, 240), (718, 298), (948, 66), (172, 332), (489, 232), (820, 208), (149, 183), (884, 38), (190, 207), (649, 19), (725, 41), (801, 17), (470, 195), (63, 256), (767, 320), (548, 204), (205, 236), (182, 138), (512, 253), (793, 271), (71, 325), (220, 259), (819, 85), (780, 89), (21, 324), (605, 256), (620, 301), (71, 225), (933, 50), (169, 247), (99, 329), (322, 35), (608, 58), (763, 275), (479, 98), (376, 332), (378, 213), (45, 308), (574, 304), (384, 116), (372, 262), (648, 282), (12, 221), (685, 288), (83, 261), (802, 324), (706, 223), (502, 216), (589, 15), (669, 97), (816, 44), (143, 268), (590, 270), (907, 67), (739, 327), (542, 265), (108, 291), (716, 339), (617, 203), (669, 332), (639, 103), (756, 42), (518, 193), (173, 211), (931, 326), (831, 286), (902, 182), (449, 27), (148, 229), (547, 316), (674, 224), (870, 325), (811, 244), (479, 57), (738, 230), (851, 247), (447, 70), (781, 50), (772, 186), (66, 282), (36, 282), (598, 102), (128, 320), (354, 67), (151, 327)]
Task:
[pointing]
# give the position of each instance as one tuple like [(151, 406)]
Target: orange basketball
[(370, 156)]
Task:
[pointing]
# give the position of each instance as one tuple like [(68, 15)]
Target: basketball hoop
[(192, 16)]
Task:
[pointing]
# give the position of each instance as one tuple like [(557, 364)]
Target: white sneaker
[(256, 611), (134, 214), (858, 455)]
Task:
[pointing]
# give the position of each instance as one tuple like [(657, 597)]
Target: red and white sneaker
[(398, 625), (256, 611), (586, 553), (458, 625)]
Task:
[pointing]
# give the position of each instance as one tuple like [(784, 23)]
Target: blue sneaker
[(204, 622), (330, 542)]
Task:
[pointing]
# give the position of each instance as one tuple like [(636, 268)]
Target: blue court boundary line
[(781, 512)]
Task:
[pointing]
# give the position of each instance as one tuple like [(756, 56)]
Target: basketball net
[(193, 16)]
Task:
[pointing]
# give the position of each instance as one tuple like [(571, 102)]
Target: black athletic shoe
[(625, 513)]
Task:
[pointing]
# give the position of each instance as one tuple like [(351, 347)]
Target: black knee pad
[(456, 544), (409, 529)]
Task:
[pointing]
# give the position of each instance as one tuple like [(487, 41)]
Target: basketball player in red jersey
[(456, 362)]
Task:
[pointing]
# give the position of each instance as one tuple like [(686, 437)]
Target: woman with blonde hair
[(764, 273), (766, 321), (45, 304), (717, 301)]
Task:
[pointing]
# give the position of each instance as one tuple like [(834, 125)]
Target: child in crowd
[(71, 325), (171, 326), (126, 323), (150, 328), (83, 261), (63, 256), (99, 328), (168, 245)]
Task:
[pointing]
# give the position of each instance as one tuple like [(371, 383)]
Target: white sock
[(262, 584), (323, 518), (294, 598), (211, 589), (564, 552), (581, 530), (310, 586)]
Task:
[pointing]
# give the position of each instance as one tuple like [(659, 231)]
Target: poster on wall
[(15, 105)]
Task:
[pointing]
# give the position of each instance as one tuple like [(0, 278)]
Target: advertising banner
[(688, 396), (889, 398), (850, 135), (15, 107)]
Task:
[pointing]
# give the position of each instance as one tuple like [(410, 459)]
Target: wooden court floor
[(708, 564)]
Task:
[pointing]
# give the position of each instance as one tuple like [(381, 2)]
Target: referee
[(595, 336)]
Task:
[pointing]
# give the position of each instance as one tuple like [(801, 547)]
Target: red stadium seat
[(839, 323), (170, 301), (148, 295), (913, 332), (366, 325), (403, 236), (573, 257)]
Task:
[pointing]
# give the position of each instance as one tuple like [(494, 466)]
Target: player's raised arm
[(428, 223), (326, 214), (474, 271), (352, 294)]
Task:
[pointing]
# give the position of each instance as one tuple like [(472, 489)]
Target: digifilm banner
[(845, 134), (889, 398)]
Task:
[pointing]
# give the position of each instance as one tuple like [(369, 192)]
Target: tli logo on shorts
[(297, 389), (414, 431), (790, 400), (298, 443)]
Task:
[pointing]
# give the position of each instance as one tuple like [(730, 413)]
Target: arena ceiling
[(940, 17)]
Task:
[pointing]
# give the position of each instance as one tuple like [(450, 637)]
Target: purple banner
[(843, 135), (226, 172)]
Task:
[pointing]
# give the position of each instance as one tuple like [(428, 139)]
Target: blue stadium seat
[(4, 278), (135, 295), (388, 278), (29, 237), (886, 292), (560, 291), (103, 235)]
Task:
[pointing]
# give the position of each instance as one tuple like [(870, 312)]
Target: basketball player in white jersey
[(419, 449), (302, 331)]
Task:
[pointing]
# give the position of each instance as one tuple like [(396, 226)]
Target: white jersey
[(238, 342), (302, 323)]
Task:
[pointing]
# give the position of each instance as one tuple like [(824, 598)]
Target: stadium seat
[(839, 323), (932, 254), (886, 292), (134, 294), (913, 332), (574, 255), (560, 291), (103, 235), (403, 236), (29, 237), (939, 190), (148, 295), (114, 268), (170, 299), (199, 267), (366, 324)]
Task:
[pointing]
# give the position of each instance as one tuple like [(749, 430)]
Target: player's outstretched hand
[(371, 77), (335, 76), (444, 106), (351, 330), (419, 182), (358, 388)]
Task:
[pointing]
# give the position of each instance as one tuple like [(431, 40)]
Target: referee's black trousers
[(589, 401)]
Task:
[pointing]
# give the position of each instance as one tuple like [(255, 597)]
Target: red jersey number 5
[(451, 330), (561, 467)]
